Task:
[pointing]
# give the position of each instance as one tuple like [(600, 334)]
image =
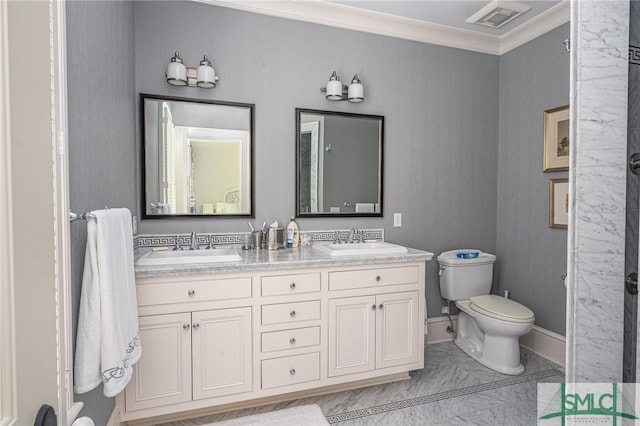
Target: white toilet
[(489, 326)]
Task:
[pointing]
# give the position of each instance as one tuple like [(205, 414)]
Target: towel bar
[(84, 216)]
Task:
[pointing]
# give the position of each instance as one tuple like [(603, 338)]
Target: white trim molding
[(545, 343), (67, 407), (437, 329), (8, 383), (535, 27), (354, 18), (540, 341)]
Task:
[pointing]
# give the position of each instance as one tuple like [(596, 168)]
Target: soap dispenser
[(293, 233)]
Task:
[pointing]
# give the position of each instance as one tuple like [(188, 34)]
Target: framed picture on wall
[(558, 203), (556, 139)]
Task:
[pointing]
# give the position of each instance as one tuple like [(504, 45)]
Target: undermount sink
[(361, 249), (179, 257)]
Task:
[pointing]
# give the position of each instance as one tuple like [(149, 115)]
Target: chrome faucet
[(211, 246), (177, 246), (194, 242), (354, 232)]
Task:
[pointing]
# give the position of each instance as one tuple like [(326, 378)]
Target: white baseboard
[(545, 343), (437, 329), (539, 340)]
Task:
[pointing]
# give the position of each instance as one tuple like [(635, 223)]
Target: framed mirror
[(197, 158), (339, 164)]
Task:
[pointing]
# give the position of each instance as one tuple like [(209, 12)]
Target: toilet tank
[(463, 274)]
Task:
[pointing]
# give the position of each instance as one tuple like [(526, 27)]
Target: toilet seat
[(500, 308)]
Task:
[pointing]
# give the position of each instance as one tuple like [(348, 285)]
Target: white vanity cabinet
[(372, 332), (182, 359), (230, 340), (377, 331), (191, 354)]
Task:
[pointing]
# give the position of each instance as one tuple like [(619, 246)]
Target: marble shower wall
[(599, 44)]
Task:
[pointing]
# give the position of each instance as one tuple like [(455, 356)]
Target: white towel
[(365, 208), (108, 338)]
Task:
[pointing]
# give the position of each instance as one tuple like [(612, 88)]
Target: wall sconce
[(179, 75), (336, 91)]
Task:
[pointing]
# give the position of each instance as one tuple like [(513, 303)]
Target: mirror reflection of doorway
[(311, 157)]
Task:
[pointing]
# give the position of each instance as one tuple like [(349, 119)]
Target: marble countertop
[(269, 260)]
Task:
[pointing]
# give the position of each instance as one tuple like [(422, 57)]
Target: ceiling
[(451, 13), (429, 21)]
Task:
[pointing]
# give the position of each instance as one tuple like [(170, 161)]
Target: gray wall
[(102, 123), (440, 145), (531, 256)]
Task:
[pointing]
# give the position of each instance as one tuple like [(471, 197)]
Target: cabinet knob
[(380, 306), (292, 285), (373, 307), (196, 325), (185, 326), (292, 340), (191, 292), (292, 313), (377, 277), (292, 371)]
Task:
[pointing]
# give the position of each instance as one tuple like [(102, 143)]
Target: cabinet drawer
[(373, 277), (290, 370), (290, 284), (161, 293), (290, 312), (290, 339)]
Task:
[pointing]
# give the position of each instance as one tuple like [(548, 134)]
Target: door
[(163, 374), (351, 335), (396, 329), (221, 352)]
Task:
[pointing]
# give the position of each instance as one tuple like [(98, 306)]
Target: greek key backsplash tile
[(140, 241), (367, 234)]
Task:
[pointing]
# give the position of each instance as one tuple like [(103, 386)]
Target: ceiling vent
[(497, 13)]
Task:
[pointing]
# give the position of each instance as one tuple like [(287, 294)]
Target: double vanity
[(240, 328)]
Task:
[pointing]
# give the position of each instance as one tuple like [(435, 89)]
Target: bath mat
[(307, 415)]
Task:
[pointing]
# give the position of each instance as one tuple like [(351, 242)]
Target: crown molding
[(535, 27), (353, 18)]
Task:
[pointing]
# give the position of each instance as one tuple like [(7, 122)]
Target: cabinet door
[(397, 329), (351, 335), (221, 352), (162, 376)]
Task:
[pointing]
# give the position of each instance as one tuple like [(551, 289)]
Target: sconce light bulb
[(334, 88), (206, 74), (356, 90), (176, 71)]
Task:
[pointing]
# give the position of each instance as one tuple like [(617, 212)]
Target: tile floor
[(452, 389)]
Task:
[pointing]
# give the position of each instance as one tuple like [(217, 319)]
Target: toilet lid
[(501, 308)]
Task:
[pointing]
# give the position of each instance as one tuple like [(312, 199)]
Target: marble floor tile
[(452, 389)]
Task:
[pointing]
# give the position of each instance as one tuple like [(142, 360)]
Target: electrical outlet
[(397, 220), (445, 309)]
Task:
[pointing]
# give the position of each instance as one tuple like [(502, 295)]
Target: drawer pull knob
[(185, 326), (292, 313), (292, 285), (196, 325), (292, 340), (377, 277), (292, 371), (191, 292), (380, 306), (373, 307)]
